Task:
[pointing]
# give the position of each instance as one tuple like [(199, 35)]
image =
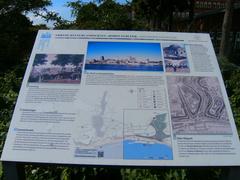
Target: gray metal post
[(234, 173), (13, 170)]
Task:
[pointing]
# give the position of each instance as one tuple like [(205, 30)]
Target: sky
[(60, 7), (123, 50)]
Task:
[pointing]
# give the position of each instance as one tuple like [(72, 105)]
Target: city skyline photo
[(123, 50), (124, 56)]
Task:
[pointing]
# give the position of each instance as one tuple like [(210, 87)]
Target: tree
[(226, 27), (75, 60), (61, 60), (158, 14), (191, 14), (8, 6), (16, 35), (106, 15), (64, 59), (40, 59)]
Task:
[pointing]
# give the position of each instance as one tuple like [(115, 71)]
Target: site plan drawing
[(123, 98)]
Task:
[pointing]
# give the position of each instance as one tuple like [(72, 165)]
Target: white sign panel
[(123, 98)]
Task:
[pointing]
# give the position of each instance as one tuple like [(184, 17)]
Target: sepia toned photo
[(175, 58), (56, 68)]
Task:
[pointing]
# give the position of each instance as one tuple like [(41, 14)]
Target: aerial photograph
[(124, 56), (197, 106), (175, 58), (56, 68)]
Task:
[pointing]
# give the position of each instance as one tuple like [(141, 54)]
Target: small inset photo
[(175, 58), (57, 68)]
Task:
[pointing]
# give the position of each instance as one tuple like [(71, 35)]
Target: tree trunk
[(170, 16), (191, 14), (170, 20), (191, 10), (226, 27), (133, 13)]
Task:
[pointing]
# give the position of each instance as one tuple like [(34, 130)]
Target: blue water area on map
[(123, 67), (136, 150)]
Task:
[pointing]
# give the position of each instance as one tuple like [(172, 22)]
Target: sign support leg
[(234, 173), (13, 170)]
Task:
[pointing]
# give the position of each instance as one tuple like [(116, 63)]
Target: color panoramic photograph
[(124, 56)]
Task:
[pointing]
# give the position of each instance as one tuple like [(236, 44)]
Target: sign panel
[(123, 98)]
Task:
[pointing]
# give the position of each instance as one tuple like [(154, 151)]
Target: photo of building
[(175, 58)]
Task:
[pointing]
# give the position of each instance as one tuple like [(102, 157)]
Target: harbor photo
[(124, 56)]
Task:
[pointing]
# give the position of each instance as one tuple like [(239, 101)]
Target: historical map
[(197, 106), (100, 132), (110, 133)]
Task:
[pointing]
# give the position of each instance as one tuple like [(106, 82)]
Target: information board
[(123, 98)]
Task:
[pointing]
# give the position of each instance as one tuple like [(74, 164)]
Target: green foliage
[(233, 85), (133, 174), (43, 173), (1, 171), (13, 41), (58, 21), (158, 14), (89, 173), (16, 35), (70, 173), (7, 6), (9, 87), (107, 15), (231, 75), (16, 38), (171, 174)]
